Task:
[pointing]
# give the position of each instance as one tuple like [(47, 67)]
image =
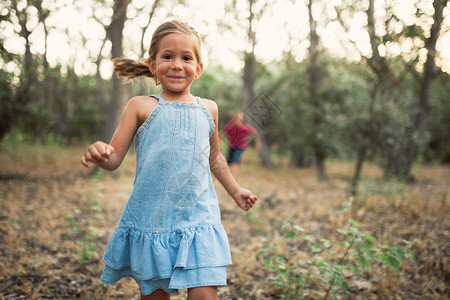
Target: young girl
[(169, 236)]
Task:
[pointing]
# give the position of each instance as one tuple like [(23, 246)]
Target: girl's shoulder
[(142, 106), (211, 106), (143, 101)]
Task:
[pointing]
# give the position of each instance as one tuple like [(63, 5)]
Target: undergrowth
[(332, 265), (87, 235)]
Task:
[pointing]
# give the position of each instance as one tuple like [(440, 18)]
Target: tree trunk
[(118, 93), (143, 85), (400, 154), (28, 76), (369, 137), (14, 107), (313, 87), (248, 95), (358, 170), (381, 93), (426, 84), (101, 90)]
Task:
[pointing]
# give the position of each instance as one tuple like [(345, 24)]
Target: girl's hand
[(98, 152), (244, 199)]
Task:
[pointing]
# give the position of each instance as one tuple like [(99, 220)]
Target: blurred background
[(350, 79)]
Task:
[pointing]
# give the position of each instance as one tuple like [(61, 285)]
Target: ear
[(199, 70), (151, 65)]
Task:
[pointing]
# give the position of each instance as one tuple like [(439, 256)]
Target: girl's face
[(176, 65)]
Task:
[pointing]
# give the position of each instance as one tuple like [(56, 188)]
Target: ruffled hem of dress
[(155, 255), (181, 280)]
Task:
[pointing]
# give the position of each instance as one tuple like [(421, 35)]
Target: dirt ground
[(56, 218)]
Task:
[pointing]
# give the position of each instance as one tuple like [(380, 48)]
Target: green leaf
[(298, 228), (370, 238), (279, 257), (285, 224), (343, 231), (353, 223), (290, 234), (355, 269), (363, 263), (393, 263), (369, 247), (321, 263), (92, 247), (340, 281), (368, 255), (308, 237), (355, 251), (270, 268), (341, 211), (315, 249), (339, 268), (343, 243), (383, 259), (317, 293), (400, 253), (348, 203), (326, 243)]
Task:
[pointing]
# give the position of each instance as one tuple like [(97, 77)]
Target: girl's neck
[(178, 97)]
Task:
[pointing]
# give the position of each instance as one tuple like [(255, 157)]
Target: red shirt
[(237, 136)]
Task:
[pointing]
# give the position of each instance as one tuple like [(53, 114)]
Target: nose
[(177, 64)]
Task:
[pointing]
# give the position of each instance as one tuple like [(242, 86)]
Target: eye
[(187, 58), (167, 56)]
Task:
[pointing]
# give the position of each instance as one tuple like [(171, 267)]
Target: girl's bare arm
[(110, 156), (219, 167)]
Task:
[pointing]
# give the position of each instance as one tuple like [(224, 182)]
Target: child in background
[(170, 235), (238, 132)]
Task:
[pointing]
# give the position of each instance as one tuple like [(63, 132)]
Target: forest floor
[(56, 218)]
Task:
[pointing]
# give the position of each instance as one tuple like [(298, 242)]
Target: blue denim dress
[(170, 235)]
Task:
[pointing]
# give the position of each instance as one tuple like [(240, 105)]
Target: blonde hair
[(131, 69)]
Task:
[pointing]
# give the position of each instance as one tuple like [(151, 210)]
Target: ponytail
[(131, 69)]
